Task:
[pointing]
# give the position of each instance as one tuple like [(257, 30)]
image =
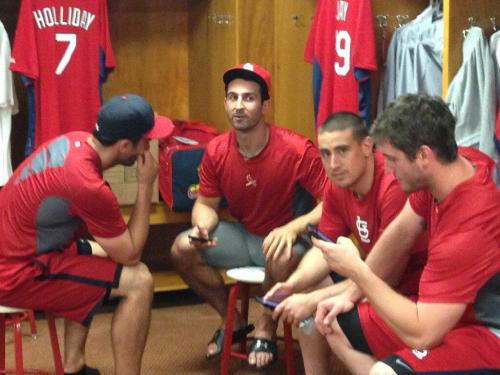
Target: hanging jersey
[(8, 106), (471, 95), (64, 47), (341, 47)]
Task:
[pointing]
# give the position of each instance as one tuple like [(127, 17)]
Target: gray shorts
[(238, 248)]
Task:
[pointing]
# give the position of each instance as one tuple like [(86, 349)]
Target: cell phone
[(316, 233), (267, 303), (199, 239)]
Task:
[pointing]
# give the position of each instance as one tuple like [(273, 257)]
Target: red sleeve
[(363, 50), (311, 38), (209, 184), (24, 52), (110, 61), (332, 223), (312, 175)]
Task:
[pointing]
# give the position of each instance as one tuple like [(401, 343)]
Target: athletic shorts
[(470, 349), (70, 283), (238, 248)]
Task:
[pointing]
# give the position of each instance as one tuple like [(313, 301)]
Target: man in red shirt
[(262, 171), (361, 199), (453, 325), (57, 195)]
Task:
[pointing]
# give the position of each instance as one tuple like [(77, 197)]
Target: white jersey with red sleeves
[(341, 47), (261, 191), (64, 47)]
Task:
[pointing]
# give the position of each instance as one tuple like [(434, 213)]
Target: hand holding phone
[(316, 233), (270, 304), (199, 239)]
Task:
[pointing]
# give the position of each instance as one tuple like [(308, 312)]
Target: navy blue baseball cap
[(130, 116)]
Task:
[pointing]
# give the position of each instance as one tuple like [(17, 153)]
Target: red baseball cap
[(251, 72)]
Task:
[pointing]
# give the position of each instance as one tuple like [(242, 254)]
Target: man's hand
[(280, 240), (199, 237), (342, 257), (279, 291), (295, 308), (147, 168), (328, 310)]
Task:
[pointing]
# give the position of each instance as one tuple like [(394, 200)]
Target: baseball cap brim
[(162, 128)]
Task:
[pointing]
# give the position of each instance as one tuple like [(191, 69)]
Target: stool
[(245, 276), (16, 316)]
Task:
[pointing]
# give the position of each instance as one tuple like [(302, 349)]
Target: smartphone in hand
[(267, 303), (316, 233), (199, 239)]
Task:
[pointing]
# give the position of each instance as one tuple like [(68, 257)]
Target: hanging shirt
[(8, 106), (414, 59), (64, 47), (471, 95), (341, 47), (495, 51)]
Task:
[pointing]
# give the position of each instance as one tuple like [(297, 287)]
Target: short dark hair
[(414, 120), (344, 121)]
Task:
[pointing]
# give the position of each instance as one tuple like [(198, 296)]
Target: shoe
[(218, 339), (261, 345)]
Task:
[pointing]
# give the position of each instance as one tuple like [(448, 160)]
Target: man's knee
[(181, 252), (392, 365), (280, 268), (136, 279), (380, 368)]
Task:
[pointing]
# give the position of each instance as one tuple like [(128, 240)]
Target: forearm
[(138, 224), (311, 270), (204, 216), (390, 255), (330, 291), (399, 312)]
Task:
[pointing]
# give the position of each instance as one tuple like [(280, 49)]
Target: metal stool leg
[(228, 329), (56, 352)]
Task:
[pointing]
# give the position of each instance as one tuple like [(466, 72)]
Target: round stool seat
[(10, 310), (252, 275)]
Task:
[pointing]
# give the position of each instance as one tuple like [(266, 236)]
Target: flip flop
[(218, 339), (261, 345)]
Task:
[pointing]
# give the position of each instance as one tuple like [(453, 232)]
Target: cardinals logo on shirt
[(250, 181), (362, 225)]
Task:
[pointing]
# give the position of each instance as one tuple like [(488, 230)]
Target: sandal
[(261, 345), (218, 339)]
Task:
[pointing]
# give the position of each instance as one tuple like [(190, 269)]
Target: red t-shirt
[(366, 218), (64, 46), (260, 191), (341, 39), (464, 242), (52, 197)]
